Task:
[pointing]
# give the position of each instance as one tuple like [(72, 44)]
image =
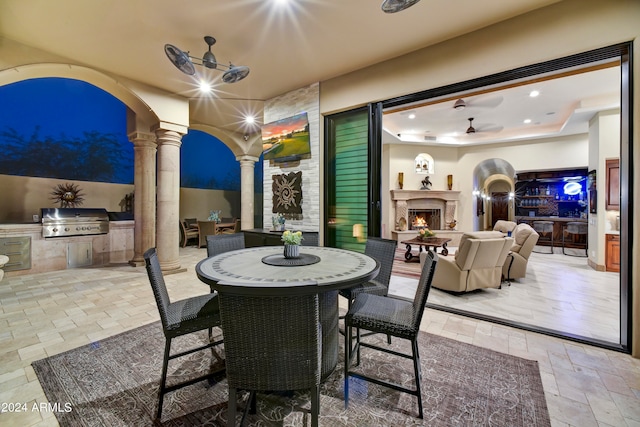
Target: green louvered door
[(352, 183)]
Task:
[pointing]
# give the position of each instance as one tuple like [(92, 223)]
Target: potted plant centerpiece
[(292, 240), (425, 234)]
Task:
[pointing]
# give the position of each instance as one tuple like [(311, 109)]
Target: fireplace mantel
[(445, 200), (445, 195)]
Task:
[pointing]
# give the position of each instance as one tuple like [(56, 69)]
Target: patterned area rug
[(114, 382), (405, 269)]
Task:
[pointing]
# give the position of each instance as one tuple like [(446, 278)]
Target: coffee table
[(430, 243)]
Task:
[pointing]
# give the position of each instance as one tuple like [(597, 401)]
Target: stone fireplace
[(438, 206)]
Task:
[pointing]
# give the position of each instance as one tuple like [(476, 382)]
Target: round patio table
[(259, 268)]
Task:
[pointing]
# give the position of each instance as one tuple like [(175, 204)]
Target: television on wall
[(287, 140)]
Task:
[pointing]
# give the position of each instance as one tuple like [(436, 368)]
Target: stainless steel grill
[(65, 222)]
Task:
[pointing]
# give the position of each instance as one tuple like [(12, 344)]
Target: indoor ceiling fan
[(483, 128), (487, 102), (393, 6)]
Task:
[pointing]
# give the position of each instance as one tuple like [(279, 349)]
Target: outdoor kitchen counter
[(50, 254)]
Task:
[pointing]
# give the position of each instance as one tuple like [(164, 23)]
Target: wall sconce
[(358, 232)]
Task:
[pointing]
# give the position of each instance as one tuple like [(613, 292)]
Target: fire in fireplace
[(421, 218)]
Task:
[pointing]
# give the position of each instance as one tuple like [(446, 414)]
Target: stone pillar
[(247, 168), (144, 200), (168, 200), (449, 213)]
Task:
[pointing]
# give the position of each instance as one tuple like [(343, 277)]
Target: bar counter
[(559, 224)]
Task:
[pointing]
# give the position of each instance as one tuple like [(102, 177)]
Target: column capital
[(168, 137), (243, 158)]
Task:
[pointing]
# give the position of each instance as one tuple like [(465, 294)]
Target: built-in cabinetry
[(18, 249), (612, 189), (262, 237), (612, 252), (560, 193)]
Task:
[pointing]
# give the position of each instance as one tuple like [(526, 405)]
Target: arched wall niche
[(424, 164)]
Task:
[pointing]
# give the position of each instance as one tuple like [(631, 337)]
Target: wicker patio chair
[(236, 228), (272, 343), (383, 251), (187, 233), (221, 243), (206, 228), (180, 318), (391, 316), (310, 238)]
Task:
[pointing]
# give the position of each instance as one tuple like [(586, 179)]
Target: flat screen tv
[(287, 139)]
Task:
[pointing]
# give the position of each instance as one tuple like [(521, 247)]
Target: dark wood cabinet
[(612, 252), (261, 237), (612, 190)]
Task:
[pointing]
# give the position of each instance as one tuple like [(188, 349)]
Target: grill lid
[(73, 214)]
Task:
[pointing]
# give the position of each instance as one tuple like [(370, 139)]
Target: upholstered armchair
[(477, 263), (504, 226), (525, 238)]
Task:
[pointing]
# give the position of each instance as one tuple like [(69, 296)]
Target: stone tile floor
[(44, 314)]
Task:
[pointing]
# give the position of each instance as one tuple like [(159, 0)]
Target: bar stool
[(545, 230), (577, 231)]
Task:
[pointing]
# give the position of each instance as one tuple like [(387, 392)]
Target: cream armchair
[(525, 238), (504, 226), (477, 263)]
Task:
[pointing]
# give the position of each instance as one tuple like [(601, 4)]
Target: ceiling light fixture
[(184, 62), (534, 93), (393, 6)]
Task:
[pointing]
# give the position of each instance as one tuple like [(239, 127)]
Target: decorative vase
[(292, 251), (449, 182), (400, 179)]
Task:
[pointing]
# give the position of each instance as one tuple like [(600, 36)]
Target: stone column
[(247, 168), (168, 200), (144, 200)]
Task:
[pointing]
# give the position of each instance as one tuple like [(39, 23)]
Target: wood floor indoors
[(45, 314)]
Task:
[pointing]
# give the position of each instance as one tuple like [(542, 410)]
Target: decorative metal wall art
[(68, 195), (287, 193)]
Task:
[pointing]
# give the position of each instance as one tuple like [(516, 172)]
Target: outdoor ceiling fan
[(184, 62), (393, 6)]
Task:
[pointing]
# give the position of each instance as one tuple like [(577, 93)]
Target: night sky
[(40, 114)]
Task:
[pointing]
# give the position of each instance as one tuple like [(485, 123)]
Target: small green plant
[(292, 237)]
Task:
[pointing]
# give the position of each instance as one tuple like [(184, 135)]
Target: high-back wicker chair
[(221, 243), (391, 316), (271, 343), (310, 238), (180, 318), (206, 228), (383, 251)]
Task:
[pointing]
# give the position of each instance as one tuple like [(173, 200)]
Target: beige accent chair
[(504, 226), (477, 263), (525, 238)]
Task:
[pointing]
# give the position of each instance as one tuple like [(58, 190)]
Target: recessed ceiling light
[(527, 121), (534, 93), (249, 120), (412, 116)]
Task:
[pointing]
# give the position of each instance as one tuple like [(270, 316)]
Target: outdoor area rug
[(114, 382)]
